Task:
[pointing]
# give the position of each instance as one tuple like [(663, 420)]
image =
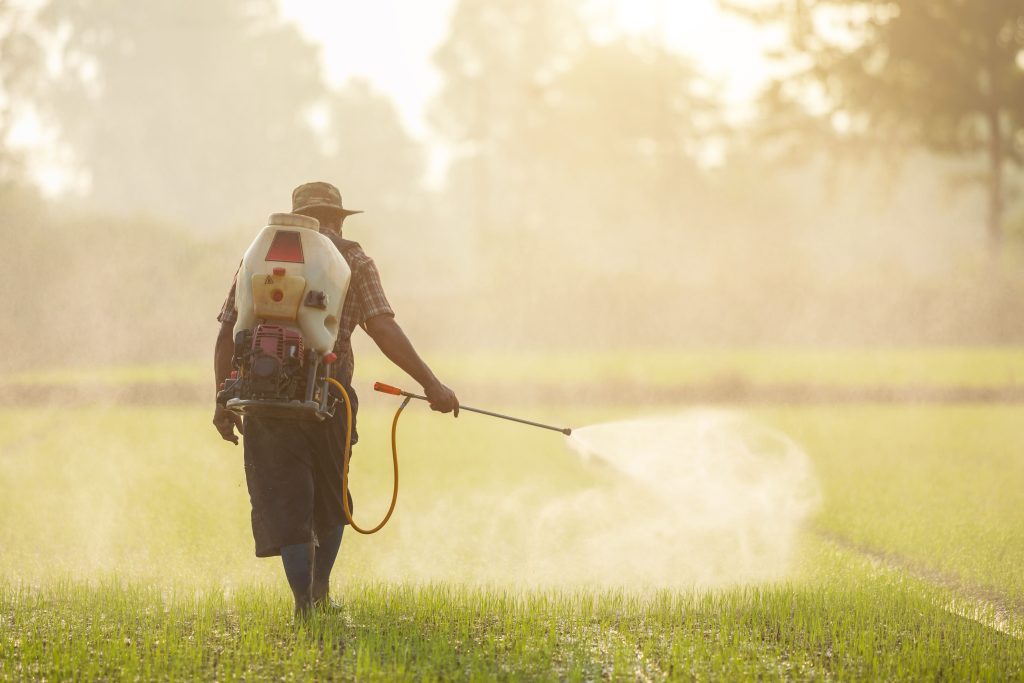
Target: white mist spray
[(703, 498)]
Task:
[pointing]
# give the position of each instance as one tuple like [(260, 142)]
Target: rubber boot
[(323, 563), (298, 568)]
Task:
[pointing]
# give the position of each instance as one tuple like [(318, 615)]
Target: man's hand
[(442, 399), (225, 421), (396, 346)]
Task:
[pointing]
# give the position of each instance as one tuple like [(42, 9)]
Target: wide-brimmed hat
[(318, 195)]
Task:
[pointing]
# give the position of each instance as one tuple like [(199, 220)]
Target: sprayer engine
[(274, 376), (270, 362)]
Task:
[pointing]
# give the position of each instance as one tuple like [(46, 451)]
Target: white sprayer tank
[(293, 276)]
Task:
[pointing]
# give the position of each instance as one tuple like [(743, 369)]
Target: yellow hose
[(347, 452)]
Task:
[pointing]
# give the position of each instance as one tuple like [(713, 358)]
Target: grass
[(857, 625), (126, 553), (940, 487)]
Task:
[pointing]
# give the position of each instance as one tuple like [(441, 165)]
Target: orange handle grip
[(386, 388)]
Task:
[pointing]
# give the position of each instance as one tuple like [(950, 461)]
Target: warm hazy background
[(536, 174)]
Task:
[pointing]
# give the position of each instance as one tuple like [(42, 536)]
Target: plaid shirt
[(365, 300)]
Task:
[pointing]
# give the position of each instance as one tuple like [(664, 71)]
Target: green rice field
[(125, 550)]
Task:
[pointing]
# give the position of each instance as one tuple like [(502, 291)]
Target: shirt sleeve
[(367, 294), (228, 313)]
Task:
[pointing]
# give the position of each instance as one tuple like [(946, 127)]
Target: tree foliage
[(566, 139), (180, 113), (203, 113), (946, 75), (20, 67)]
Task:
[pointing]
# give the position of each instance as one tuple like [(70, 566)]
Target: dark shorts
[(293, 472)]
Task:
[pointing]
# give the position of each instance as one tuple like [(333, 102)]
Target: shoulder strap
[(346, 247)]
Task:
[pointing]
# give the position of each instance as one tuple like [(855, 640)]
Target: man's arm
[(391, 340), (223, 419), (223, 353)]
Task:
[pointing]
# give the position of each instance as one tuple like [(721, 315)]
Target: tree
[(946, 75), (622, 130), (196, 113), (562, 138), (367, 151), (20, 64), (496, 61)]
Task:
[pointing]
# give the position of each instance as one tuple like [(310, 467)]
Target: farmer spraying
[(293, 467)]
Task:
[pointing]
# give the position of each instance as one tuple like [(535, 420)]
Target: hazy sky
[(391, 43)]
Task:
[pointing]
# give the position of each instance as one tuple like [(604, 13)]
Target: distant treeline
[(599, 192), (85, 289)]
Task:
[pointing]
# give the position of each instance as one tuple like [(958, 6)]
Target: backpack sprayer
[(289, 292)]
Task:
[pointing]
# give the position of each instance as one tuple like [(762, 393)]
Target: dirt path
[(724, 391), (985, 606)]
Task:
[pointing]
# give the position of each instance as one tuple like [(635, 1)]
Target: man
[(293, 467)]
